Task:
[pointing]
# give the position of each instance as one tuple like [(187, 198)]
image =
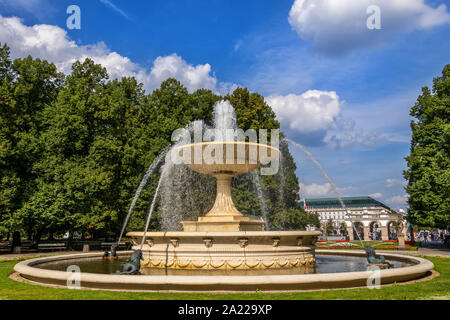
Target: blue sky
[(337, 87)]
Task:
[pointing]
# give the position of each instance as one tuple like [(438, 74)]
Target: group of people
[(430, 236), (375, 235)]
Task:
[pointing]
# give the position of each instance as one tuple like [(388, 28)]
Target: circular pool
[(333, 269)]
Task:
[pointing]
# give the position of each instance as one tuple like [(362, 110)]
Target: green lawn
[(437, 288)]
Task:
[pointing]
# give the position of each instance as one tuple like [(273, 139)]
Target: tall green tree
[(85, 164), (28, 86), (428, 172), (329, 227)]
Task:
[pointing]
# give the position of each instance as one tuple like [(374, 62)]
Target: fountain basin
[(30, 271), (227, 250)]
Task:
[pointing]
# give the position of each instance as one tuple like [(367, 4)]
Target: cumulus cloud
[(390, 183), (315, 190), (376, 195), (318, 109), (326, 189), (315, 116), (398, 200), (53, 44), (339, 26)]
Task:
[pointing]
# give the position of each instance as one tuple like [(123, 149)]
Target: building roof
[(349, 202)]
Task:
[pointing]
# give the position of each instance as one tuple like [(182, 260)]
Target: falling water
[(281, 171), (152, 207), (143, 183), (259, 192), (179, 202), (224, 121), (324, 173)]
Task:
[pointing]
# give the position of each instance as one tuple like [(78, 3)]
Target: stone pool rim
[(27, 271)]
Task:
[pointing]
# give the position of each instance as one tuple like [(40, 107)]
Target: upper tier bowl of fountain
[(234, 157)]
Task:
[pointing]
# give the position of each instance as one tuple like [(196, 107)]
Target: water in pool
[(324, 264)]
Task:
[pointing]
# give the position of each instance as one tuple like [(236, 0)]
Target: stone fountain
[(222, 250)]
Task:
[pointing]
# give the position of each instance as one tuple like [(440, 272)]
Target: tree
[(428, 172), (343, 229), (88, 131), (329, 227), (293, 219), (27, 86)]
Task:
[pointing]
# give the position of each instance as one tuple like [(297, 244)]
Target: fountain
[(222, 250)]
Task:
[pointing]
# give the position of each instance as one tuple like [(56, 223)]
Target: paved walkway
[(40, 254), (421, 252)]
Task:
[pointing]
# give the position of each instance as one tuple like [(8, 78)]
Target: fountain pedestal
[(223, 216)]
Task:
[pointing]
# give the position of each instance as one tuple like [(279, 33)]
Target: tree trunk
[(70, 239), (37, 238), (16, 240)]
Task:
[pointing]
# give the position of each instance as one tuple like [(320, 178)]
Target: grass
[(437, 288)]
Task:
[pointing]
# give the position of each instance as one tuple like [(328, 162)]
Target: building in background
[(372, 219)]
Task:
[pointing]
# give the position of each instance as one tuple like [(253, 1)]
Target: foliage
[(329, 227), (428, 172), (343, 228), (27, 87), (293, 219)]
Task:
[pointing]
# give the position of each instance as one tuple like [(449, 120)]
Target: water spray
[(335, 189)]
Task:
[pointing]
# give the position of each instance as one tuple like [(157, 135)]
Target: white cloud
[(398, 200), (315, 190), (311, 111), (337, 26), (395, 182), (341, 138), (326, 189), (317, 115), (376, 195), (52, 43)]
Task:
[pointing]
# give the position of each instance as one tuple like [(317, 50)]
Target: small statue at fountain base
[(111, 254), (374, 261), (134, 264)]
